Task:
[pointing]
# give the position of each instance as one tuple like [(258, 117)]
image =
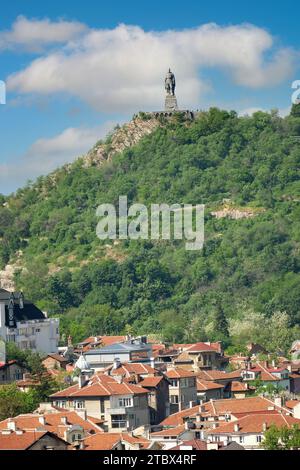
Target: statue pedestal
[(171, 103)]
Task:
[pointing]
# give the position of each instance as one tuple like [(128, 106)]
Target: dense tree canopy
[(250, 264)]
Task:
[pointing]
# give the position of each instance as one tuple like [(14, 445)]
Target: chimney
[(186, 425), (278, 401), (264, 427), (117, 363), (191, 403), (198, 418), (64, 420), (202, 409), (273, 363), (152, 362), (42, 420), (236, 427), (11, 425), (81, 380)]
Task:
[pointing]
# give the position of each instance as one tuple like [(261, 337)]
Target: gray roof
[(233, 446), (117, 348)]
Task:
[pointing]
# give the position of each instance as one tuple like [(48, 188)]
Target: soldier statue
[(170, 83)]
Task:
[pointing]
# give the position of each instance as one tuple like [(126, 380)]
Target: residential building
[(23, 323), (31, 440), (168, 438), (207, 390), (182, 389), (55, 361), (10, 372), (71, 426), (220, 377), (216, 412), (241, 389), (200, 356), (121, 406), (134, 350), (93, 342), (250, 429), (117, 441), (277, 376), (158, 397)]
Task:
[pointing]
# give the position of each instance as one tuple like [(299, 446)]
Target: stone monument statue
[(171, 101)]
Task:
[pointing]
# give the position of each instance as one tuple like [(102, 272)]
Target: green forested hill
[(243, 285)]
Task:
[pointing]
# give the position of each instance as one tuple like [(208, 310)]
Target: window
[(174, 399), (258, 438), (118, 421), (38, 330), (174, 383), (102, 408), (125, 402), (241, 439), (79, 404), (60, 404)]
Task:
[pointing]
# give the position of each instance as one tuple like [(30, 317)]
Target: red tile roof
[(240, 386), (14, 441), (201, 347), (151, 381), (292, 403), (177, 431), (108, 441), (100, 385), (53, 422), (179, 373), (133, 368), (203, 385), (233, 406), (254, 423), (196, 444), (219, 374)]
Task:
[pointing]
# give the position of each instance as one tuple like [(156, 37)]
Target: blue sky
[(75, 69)]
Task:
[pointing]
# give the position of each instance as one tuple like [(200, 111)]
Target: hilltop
[(244, 169)]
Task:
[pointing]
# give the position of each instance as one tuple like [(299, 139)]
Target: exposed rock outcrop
[(124, 137)]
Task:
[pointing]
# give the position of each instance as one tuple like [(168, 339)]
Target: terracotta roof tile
[(100, 385), (176, 431), (151, 381), (220, 407), (53, 422), (254, 423), (203, 385), (179, 373), (14, 441)]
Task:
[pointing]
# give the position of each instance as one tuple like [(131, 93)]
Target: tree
[(283, 438), (14, 402), (220, 323)]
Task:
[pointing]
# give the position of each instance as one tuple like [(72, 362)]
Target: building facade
[(24, 324)]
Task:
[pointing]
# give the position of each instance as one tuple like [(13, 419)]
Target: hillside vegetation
[(243, 285)]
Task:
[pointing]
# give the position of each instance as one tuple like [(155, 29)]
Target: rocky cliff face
[(124, 137), (7, 278)]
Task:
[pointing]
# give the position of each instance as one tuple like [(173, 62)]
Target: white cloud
[(33, 35), (123, 68), (47, 154)]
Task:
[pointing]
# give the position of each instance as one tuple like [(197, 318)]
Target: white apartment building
[(23, 323)]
